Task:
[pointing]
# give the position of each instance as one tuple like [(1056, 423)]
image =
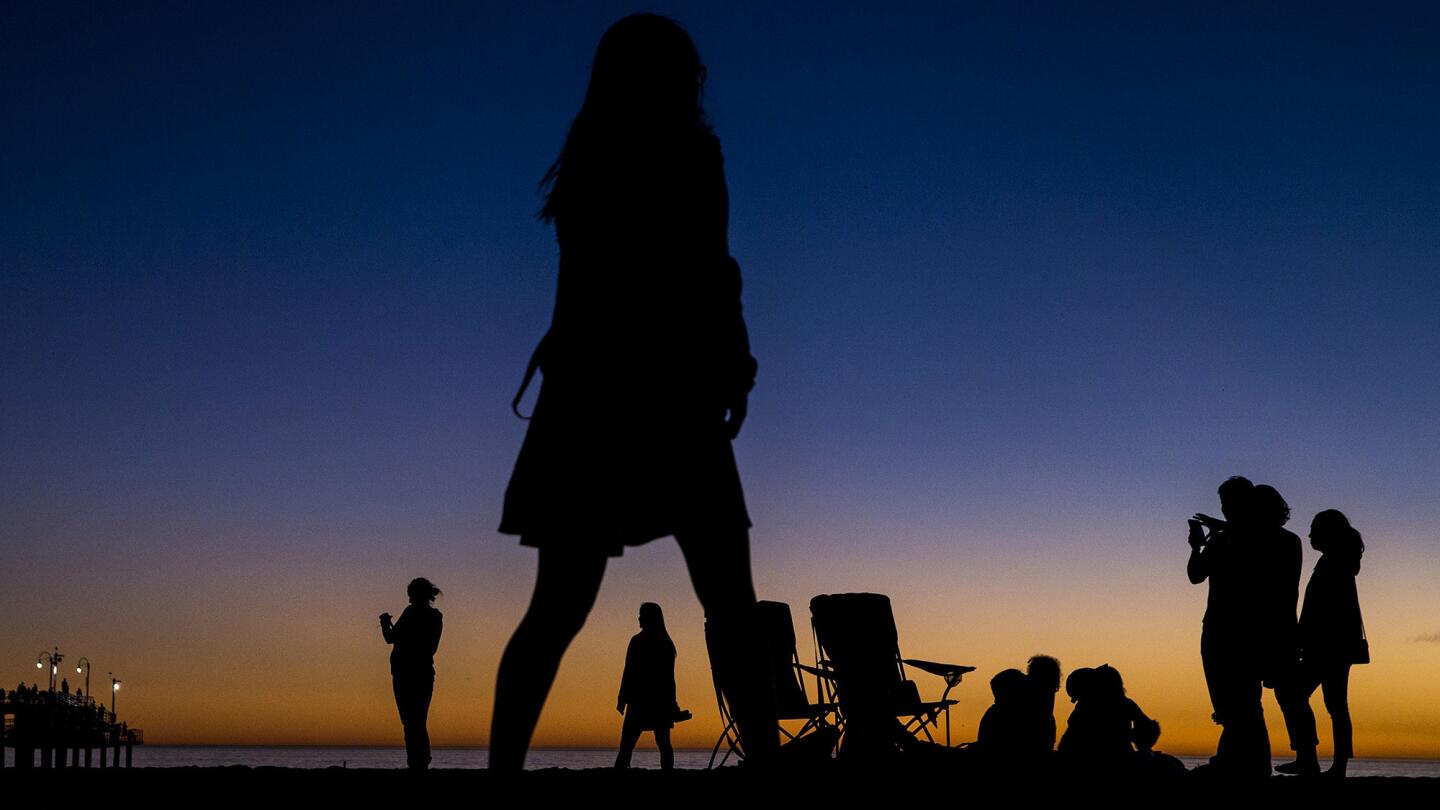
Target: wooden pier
[(67, 731)]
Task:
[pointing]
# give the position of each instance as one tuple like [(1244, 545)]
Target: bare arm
[(742, 365), (622, 699), (1200, 546), (1198, 567)]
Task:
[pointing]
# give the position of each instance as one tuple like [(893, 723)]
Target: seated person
[(1018, 729), (1103, 726), (1042, 672), (1002, 727)]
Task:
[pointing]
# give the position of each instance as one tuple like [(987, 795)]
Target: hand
[(738, 409), (1212, 523), (620, 707), (1197, 534), (385, 620)]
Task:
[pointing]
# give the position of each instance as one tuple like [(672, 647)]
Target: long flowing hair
[(655, 624), (646, 86), (1268, 506)]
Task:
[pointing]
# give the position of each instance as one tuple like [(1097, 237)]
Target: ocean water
[(216, 756), (1362, 767), (207, 756)]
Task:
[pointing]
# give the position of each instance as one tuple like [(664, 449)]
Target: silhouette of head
[(1080, 685), (421, 591), (1236, 495), (1107, 683), (646, 65), (1270, 508), (1008, 686), (647, 82), (1044, 673), (651, 618), (1331, 533)]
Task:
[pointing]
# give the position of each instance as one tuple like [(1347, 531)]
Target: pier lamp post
[(114, 687), (84, 662), (52, 658)]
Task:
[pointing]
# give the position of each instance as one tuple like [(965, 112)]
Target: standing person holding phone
[(415, 637), (1233, 636)]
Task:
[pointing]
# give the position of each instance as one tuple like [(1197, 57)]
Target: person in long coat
[(647, 688), (646, 377)]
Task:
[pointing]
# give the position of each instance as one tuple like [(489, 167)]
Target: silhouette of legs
[(565, 589), (1233, 675), (412, 699), (667, 754), (1334, 680), (630, 734), (1336, 688), (719, 563), (1294, 698)]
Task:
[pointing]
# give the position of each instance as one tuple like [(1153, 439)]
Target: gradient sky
[(1025, 281)]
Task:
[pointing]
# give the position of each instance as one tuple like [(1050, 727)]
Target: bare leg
[(565, 589), (629, 735), (1336, 688), (667, 754), (719, 564)]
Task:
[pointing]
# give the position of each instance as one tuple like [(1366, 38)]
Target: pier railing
[(63, 728)]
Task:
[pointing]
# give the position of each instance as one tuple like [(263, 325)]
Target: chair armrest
[(952, 673), (817, 672)]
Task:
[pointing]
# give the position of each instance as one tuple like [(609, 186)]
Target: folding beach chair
[(816, 729), (858, 652)]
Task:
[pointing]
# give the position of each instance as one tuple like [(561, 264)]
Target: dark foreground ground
[(834, 786)]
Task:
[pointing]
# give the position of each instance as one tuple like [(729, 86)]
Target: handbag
[(1360, 648)]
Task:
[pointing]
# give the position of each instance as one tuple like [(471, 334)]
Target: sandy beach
[(910, 786)]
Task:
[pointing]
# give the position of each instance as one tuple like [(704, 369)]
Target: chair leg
[(727, 738)]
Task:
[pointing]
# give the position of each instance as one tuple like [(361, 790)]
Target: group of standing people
[(1251, 638)]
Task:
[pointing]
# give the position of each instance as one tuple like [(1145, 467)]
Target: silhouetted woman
[(412, 665), (647, 371), (1332, 637), (647, 689)]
